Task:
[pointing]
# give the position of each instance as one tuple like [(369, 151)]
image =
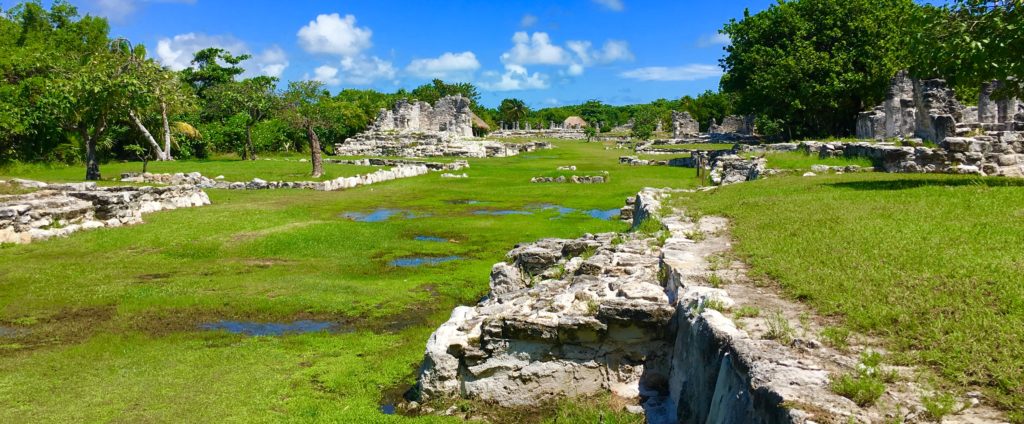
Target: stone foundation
[(57, 210), (340, 183)]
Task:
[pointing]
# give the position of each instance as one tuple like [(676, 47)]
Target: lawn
[(269, 168), (801, 161), (932, 265), (105, 325)]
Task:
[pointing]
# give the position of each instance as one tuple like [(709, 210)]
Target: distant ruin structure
[(683, 125)]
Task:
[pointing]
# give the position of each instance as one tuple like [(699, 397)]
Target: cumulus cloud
[(272, 61), (690, 72), (177, 53), (712, 40), (515, 77), (363, 70), (534, 49), (538, 49), (447, 65), (614, 5), (326, 74), (528, 20), (121, 10), (333, 34)]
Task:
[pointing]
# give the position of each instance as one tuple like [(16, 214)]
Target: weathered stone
[(683, 125)]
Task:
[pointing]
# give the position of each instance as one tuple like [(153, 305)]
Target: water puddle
[(415, 261), (465, 202), (562, 210), (388, 408), (432, 239), (379, 215), (606, 215), (269, 328)]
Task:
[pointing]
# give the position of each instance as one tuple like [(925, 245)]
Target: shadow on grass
[(904, 184)]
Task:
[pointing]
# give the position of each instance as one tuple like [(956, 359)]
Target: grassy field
[(801, 161), (933, 265), (106, 325), (269, 168)]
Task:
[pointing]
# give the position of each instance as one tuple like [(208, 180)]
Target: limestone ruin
[(57, 210), (417, 129), (929, 110), (683, 125)]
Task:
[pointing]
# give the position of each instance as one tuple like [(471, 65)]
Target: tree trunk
[(314, 150), (167, 131), (248, 143), (92, 165), (145, 133)]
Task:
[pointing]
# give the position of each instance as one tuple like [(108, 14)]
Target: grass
[(801, 161), (867, 383), (779, 328), (930, 265), (110, 317), (269, 168)]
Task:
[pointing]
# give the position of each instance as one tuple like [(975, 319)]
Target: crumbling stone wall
[(683, 125), (449, 116)]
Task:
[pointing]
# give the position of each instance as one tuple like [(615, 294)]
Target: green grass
[(269, 169), (930, 264), (110, 317), (801, 161)]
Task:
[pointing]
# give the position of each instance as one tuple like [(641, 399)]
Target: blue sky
[(544, 52)]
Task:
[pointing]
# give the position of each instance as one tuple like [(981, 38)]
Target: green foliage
[(513, 110), (212, 67), (809, 66), (747, 312), (938, 406), (861, 388), (970, 42), (644, 124), (837, 337), (779, 328)]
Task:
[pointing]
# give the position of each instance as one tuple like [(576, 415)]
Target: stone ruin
[(733, 128), (929, 110), (56, 210), (556, 130), (683, 125), (450, 117), (417, 129)]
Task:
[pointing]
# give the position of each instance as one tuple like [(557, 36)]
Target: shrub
[(779, 328)]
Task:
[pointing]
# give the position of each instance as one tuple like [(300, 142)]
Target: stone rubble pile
[(56, 210), (683, 125), (731, 169), (575, 179), (556, 133), (340, 183), (636, 161), (457, 165)]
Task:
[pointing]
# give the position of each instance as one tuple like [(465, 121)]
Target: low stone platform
[(56, 210), (340, 183)]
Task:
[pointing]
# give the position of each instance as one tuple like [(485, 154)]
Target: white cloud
[(362, 70), (334, 35), (528, 20), (534, 49), (615, 5), (575, 70), (120, 10), (717, 39), (177, 52), (614, 51), (516, 77), (448, 65), (325, 74), (272, 61), (691, 72)]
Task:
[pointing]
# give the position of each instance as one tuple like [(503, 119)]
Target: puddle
[(378, 215), (268, 328), (562, 210), (606, 215), (388, 408), (416, 261), (464, 202), (502, 212), (431, 239)]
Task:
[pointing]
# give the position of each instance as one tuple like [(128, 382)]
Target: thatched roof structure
[(479, 123), (574, 122)]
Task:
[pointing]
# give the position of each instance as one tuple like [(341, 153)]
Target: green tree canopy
[(814, 64)]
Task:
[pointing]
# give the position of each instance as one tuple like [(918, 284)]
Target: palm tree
[(513, 110)]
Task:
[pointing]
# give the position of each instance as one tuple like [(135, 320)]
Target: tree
[(253, 97), (207, 71), (308, 107), (815, 64), (972, 42), (644, 124), (513, 110)]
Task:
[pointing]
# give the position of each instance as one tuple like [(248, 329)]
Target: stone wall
[(556, 133), (57, 210), (430, 145), (340, 183), (450, 116), (683, 125)]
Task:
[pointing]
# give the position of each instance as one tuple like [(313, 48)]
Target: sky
[(547, 53)]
